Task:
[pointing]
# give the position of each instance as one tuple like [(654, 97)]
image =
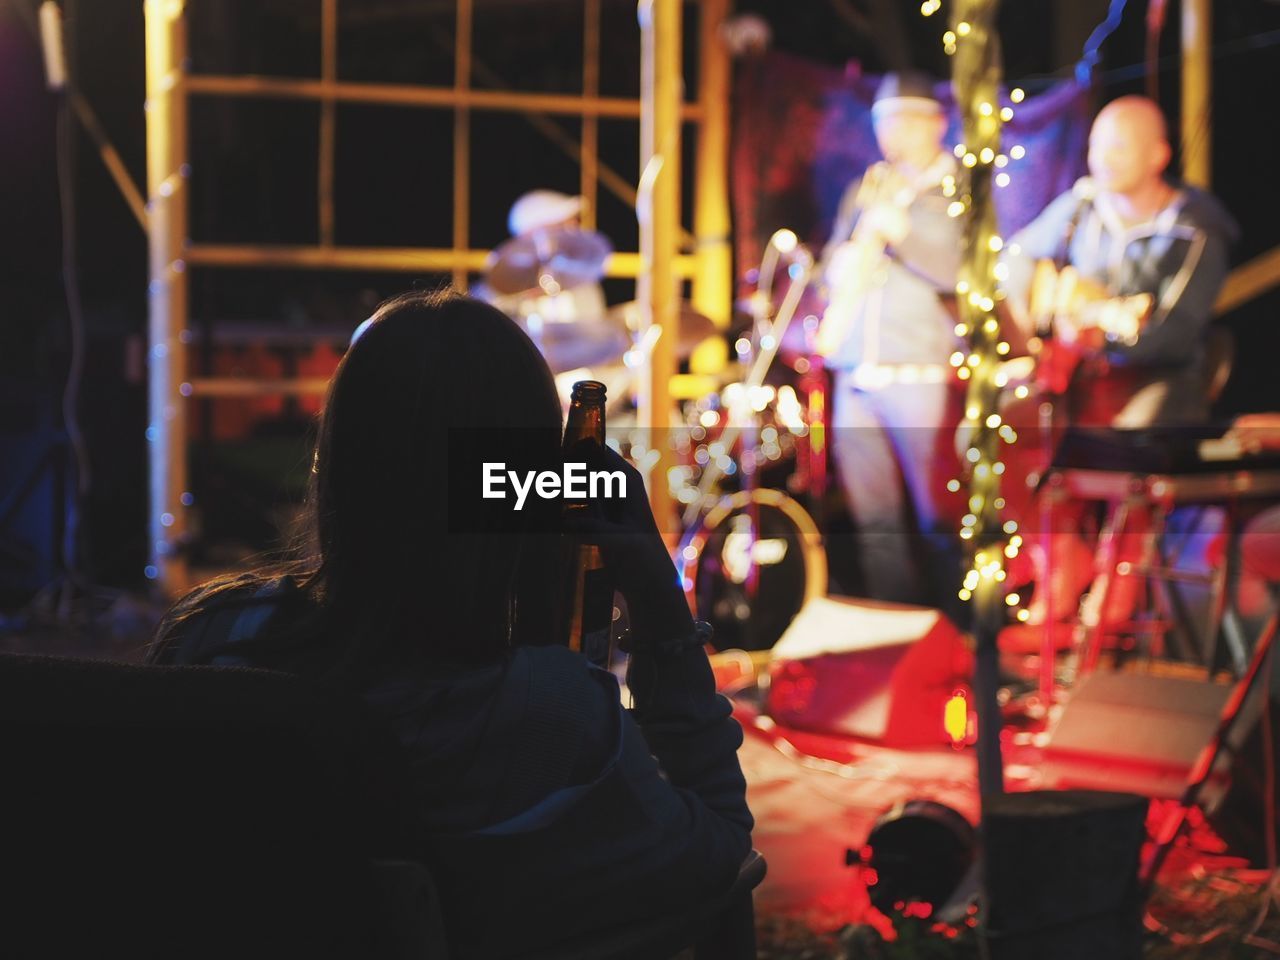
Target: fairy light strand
[(991, 540)]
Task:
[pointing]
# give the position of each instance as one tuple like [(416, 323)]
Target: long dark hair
[(398, 568)]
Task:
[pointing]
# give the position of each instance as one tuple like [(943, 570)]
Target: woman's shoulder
[(513, 735), (202, 625), (557, 702), (564, 731), (554, 657), (531, 678)]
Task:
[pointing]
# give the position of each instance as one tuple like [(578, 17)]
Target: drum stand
[(742, 426), (1047, 502), (769, 344), (1208, 757)]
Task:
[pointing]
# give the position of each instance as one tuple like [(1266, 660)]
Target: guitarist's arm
[(933, 247), (1038, 240), (840, 258), (846, 219)]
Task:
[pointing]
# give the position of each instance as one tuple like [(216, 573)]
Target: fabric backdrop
[(802, 132)]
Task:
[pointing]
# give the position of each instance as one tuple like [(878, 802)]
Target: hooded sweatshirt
[(549, 810), (1179, 257)]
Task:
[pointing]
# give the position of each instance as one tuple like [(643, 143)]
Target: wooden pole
[(589, 149), (462, 140), (1197, 90), (328, 119), (1249, 280), (167, 173)]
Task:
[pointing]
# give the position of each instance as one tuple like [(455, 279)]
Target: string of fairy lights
[(974, 48)]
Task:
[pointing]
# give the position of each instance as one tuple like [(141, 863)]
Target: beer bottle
[(587, 606)]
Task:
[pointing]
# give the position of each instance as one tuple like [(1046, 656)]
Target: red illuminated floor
[(816, 797)]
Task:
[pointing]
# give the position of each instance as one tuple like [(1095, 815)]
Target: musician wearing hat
[(887, 334)]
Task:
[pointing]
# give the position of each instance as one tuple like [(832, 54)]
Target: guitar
[(1074, 317)]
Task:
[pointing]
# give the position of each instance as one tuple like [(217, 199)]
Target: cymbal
[(548, 261), (567, 346), (694, 326)]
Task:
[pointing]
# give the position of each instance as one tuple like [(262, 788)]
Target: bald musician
[(1131, 235)]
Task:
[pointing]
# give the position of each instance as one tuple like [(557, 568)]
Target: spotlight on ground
[(916, 853)]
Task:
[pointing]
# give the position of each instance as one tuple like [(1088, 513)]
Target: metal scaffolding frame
[(658, 266)]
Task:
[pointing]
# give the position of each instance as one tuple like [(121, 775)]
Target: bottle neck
[(588, 392), (585, 423), (586, 413)]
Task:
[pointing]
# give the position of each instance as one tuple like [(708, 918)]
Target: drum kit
[(750, 555)]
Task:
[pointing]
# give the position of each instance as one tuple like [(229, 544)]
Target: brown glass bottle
[(587, 604)]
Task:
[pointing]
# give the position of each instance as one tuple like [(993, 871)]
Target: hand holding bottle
[(633, 550)]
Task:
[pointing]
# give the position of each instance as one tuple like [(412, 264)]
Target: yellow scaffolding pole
[(389, 259), (659, 267), (658, 211), (408, 95), (713, 276)]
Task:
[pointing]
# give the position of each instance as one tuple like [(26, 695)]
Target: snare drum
[(750, 564), (760, 429)]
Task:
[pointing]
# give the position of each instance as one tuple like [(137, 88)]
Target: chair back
[(188, 811)]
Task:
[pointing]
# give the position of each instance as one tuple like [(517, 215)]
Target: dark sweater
[(551, 811)]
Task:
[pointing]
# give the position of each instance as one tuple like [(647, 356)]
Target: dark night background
[(254, 176)]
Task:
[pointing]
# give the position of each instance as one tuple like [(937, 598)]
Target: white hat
[(541, 208), (906, 91)]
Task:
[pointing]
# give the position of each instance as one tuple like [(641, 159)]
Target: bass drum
[(750, 564)]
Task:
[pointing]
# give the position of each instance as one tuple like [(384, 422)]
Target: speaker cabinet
[(877, 671), (1134, 732)]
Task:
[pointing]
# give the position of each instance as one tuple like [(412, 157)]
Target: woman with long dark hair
[(548, 810)]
